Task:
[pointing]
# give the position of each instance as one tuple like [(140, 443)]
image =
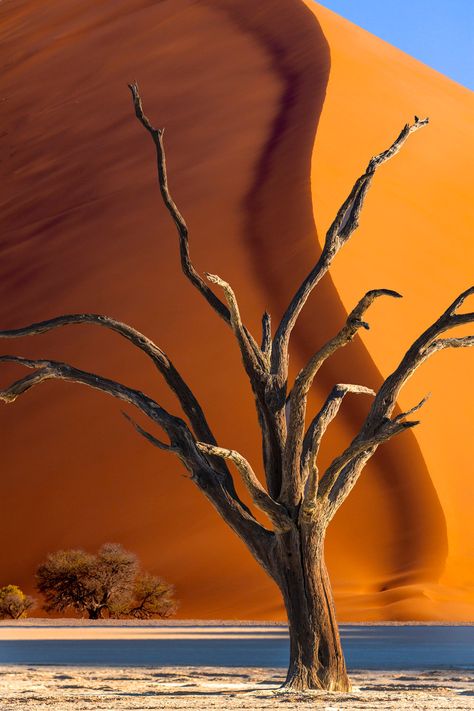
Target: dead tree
[(298, 500)]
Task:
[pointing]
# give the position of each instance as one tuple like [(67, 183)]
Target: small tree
[(88, 584), (298, 500), (151, 597), (14, 604), (107, 584)]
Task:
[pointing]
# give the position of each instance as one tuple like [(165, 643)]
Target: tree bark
[(316, 657)]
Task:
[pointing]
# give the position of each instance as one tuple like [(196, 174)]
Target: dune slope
[(270, 114)]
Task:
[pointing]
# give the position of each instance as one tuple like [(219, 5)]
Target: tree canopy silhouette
[(106, 584)]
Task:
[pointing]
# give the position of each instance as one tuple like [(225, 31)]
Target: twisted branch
[(292, 484), (211, 482), (251, 354), (187, 266), (313, 437), (275, 511), (343, 472), (344, 224), (186, 263)]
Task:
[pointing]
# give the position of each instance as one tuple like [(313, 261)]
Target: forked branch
[(250, 350), (212, 482), (312, 442), (344, 224), (56, 370), (378, 427), (424, 346), (292, 484), (173, 378), (387, 429), (275, 512)]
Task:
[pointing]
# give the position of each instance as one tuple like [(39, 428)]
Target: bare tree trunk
[(94, 613), (316, 657)]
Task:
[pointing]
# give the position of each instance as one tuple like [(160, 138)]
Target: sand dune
[(270, 114)]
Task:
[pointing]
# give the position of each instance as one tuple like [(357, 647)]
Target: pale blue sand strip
[(381, 647)]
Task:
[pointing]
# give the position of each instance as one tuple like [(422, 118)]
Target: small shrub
[(14, 604)]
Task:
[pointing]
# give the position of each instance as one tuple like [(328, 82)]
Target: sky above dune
[(439, 33)]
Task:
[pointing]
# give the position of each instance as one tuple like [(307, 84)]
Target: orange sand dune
[(241, 88)]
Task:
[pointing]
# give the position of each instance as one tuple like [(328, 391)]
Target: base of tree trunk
[(316, 655), (304, 679)]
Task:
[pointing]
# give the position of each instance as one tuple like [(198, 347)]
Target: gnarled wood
[(260, 497), (292, 485), (312, 441), (342, 227), (298, 505)]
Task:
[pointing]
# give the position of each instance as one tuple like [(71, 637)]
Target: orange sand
[(240, 87)]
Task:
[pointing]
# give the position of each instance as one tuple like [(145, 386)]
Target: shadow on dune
[(84, 231), (281, 235)]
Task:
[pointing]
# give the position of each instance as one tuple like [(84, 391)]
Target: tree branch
[(387, 429), (56, 370), (260, 385), (344, 224), (211, 482), (188, 401), (424, 346), (186, 264), (266, 346), (275, 511), (343, 473), (460, 342), (353, 323), (182, 441), (313, 437), (251, 354), (292, 482), (148, 436)]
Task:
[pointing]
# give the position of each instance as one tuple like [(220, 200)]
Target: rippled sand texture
[(271, 111)]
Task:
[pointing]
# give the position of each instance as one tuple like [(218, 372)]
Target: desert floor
[(64, 664)]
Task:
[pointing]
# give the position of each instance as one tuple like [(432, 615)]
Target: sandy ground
[(59, 688), (66, 664)]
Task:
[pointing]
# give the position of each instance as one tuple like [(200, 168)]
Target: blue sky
[(440, 33)]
